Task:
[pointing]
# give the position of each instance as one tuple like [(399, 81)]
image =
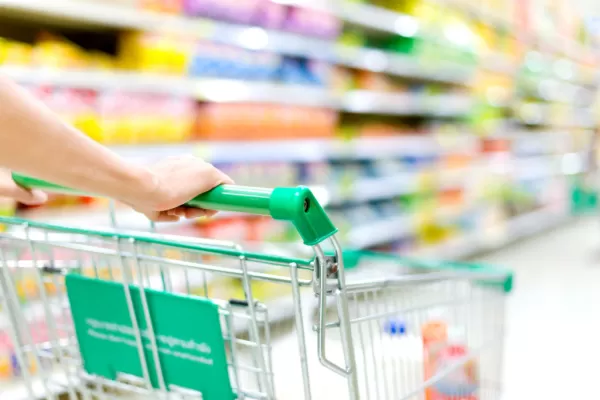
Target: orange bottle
[(448, 363)]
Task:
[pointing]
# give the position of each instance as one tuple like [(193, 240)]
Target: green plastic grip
[(297, 205)]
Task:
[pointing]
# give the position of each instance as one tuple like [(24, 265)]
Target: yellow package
[(101, 61), (426, 12), (55, 51), (109, 128), (3, 44), (144, 52), (182, 50), (124, 129), (89, 123), (487, 38), (17, 53), (136, 51), (140, 126)]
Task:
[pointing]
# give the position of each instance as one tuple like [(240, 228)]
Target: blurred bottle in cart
[(6, 371), (446, 359)]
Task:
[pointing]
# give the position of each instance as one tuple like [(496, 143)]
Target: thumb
[(28, 197)]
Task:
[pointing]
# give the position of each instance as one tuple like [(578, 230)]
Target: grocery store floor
[(553, 334)]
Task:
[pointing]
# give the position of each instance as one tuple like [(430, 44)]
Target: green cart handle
[(297, 205)]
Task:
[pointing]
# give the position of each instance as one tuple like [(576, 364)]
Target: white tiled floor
[(553, 334)]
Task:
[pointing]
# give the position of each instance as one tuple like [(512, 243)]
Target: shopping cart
[(103, 314)]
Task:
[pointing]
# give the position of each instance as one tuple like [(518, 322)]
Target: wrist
[(139, 186)]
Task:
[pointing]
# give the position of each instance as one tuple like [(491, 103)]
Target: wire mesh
[(268, 316)]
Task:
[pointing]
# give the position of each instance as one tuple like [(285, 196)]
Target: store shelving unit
[(95, 15), (301, 150), (90, 14), (236, 91)]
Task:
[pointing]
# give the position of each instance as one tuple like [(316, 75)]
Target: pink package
[(241, 11), (270, 15), (311, 22), (202, 8)]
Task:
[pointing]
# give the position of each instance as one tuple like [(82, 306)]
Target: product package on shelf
[(119, 117), (435, 189), (267, 14), (158, 53), (163, 6), (262, 122), (216, 60), (129, 118)]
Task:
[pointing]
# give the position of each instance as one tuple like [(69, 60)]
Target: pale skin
[(35, 142)]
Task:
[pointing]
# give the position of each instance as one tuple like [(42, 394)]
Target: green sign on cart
[(188, 335)]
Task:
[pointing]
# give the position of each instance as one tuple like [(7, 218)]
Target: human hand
[(174, 182), (8, 188)]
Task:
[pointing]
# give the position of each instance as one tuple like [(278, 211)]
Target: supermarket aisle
[(553, 335)]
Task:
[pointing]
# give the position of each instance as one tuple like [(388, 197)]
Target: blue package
[(300, 71), (395, 327)]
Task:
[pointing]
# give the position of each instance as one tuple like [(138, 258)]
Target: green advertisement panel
[(188, 335)]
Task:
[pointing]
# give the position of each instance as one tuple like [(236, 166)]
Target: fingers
[(192, 212), (161, 216), (178, 181), (198, 213), (176, 214), (28, 197), (224, 179)]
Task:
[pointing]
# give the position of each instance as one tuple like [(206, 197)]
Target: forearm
[(35, 142)]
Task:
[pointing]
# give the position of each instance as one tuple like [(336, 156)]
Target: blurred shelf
[(329, 6), (525, 142), (542, 123), (395, 228), (292, 150), (542, 67), (537, 167), (518, 228), (402, 65), (394, 23), (480, 12), (370, 189), (86, 13), (560, 45), (380, 232), (226, 90), (454, 249), (93, 14), (379, 19), (206, 89), (499, 63), (368, 102), (532, 223)]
